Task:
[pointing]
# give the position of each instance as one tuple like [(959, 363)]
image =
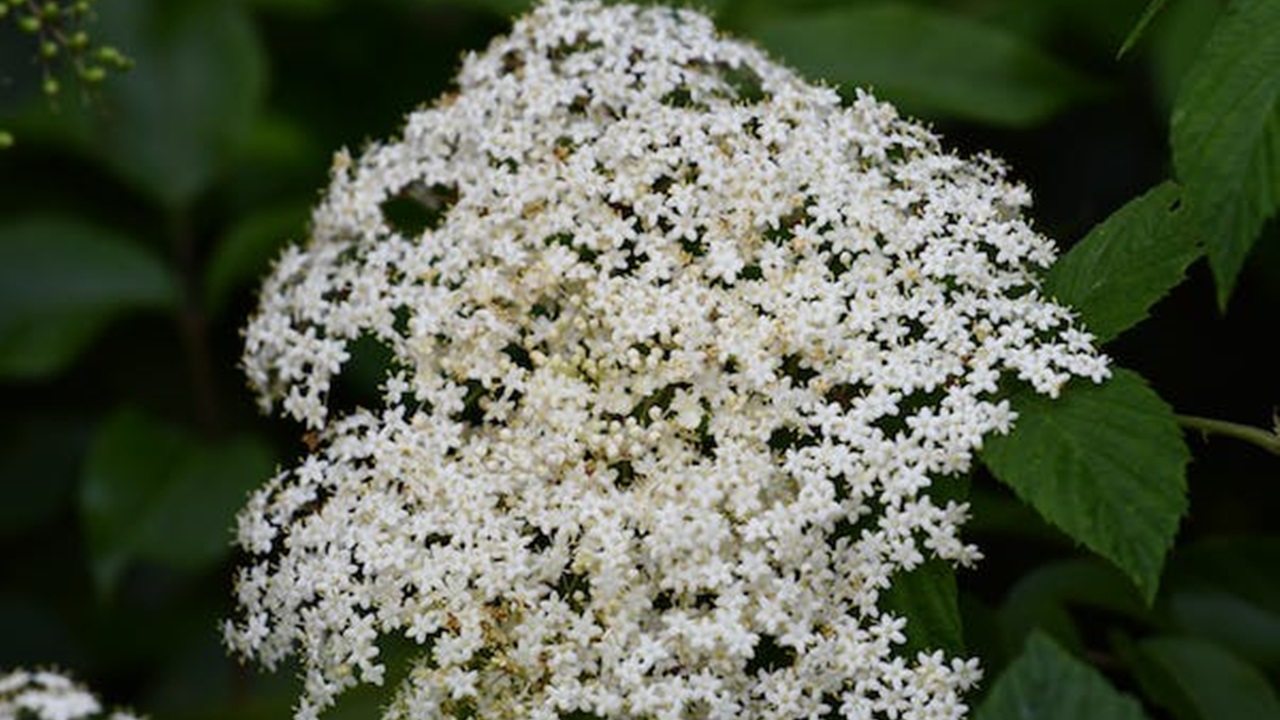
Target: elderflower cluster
[(46, 695), (679, 347)]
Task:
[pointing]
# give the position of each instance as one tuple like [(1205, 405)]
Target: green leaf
[(1106, 464), (61, 282), (925, 60), (151, 492), (1198, 680), (180, 114), (1047, 683), (1225, 133), (1126, 263), (1153, 8), (926, 597)]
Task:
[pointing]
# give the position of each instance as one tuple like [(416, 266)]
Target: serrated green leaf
[(1106, 464), (179, 115), (149, 491), (1225, 133), (926, 597), (1126, 263), (1153, 8), (925, 60), (1047, 683), (61, 282), (1198, 680)]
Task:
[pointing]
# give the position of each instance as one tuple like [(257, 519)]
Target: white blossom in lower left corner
[(49, 695)]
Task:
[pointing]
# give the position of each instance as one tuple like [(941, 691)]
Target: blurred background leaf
[(179, 117), (151, 492), (1198, 680), (62, 281), (927, 61)]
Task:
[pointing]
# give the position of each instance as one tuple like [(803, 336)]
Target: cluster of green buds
[(63, 41)]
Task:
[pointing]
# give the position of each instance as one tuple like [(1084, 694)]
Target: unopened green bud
[(30, 24), (6, 140), (48, 49), (80, 8), (4, 10), (93, 74), (50, 86), (79, 40), (108, 55), (51, 10)]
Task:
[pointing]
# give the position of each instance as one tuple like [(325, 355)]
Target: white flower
[(677, 356), (48, 695)]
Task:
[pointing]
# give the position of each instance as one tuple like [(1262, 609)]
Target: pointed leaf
[(1126, 263), (1106, 464), (1225, 133), (1046, 683), (926, 60), (61, 282)]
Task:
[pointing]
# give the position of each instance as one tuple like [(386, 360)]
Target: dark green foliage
[(133, 229)]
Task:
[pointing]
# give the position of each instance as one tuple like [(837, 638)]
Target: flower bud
[(93, 74)]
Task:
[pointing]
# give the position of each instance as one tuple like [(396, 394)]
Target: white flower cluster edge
[(683, 355), (49, 695)]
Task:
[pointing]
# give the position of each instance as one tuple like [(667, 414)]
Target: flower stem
[(1268, 440)]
